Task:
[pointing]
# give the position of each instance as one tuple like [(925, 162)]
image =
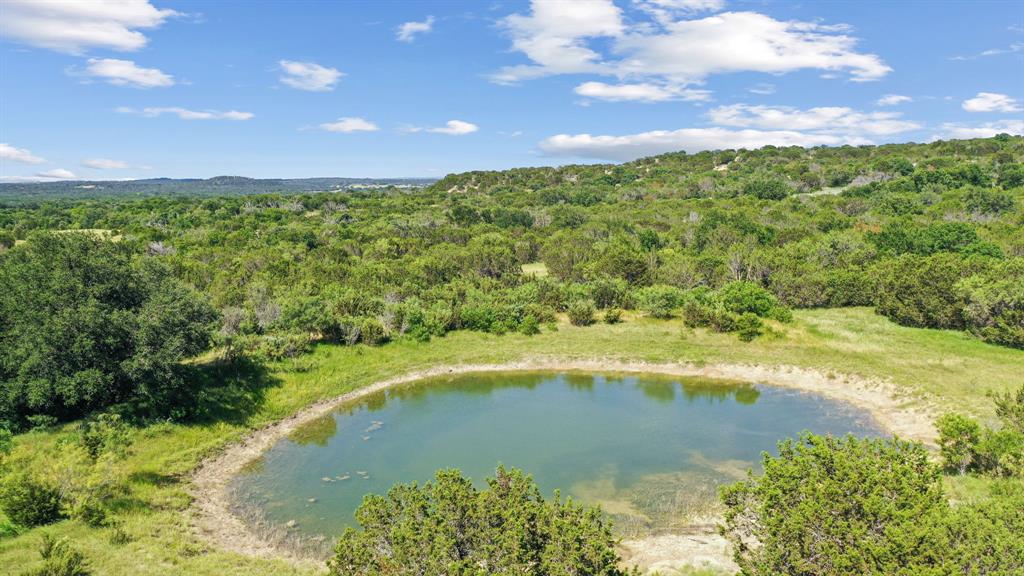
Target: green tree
[(85, 324)]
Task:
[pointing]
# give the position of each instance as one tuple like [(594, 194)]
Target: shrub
[(834, 506), (659, 301), (612, 316), (581, 312), (749, 326), (529, 326), (766, 189), (29, 501), (449, 527), (91, 511), (742, 296), (59, 559), (958, 442)]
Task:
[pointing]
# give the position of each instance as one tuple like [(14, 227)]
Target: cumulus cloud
[(126, 73), (991, 102), (350, 124), (632, 146), (827, 118), (451, 128), (8, 152), (104, 164), (74, 27), (642, 92), (592, 37), (407, 32), (186, 114), (956, 130), (893, 100), (309, 76)]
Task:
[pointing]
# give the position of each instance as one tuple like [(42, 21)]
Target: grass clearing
[(952, 369)]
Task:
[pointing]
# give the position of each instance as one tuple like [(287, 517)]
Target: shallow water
[(650, 450)]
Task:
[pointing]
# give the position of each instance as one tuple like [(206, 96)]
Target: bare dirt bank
[(891, 406)]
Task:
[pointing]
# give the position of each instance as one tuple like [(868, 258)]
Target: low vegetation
[(126, 357)]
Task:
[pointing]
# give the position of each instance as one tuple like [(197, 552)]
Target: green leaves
[(448, 527)]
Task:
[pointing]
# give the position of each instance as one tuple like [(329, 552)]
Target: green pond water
[(651, 450)]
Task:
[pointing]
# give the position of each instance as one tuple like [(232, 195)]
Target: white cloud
[(451, 128), (186, 114), (740, 126), (991, 102), (956, 130), (309, 76), (893, 100), (350, 124), (558, 38), (1011, 49), (8, 152), (763, 89), (76, 26), (127, 73), (104, 164), (831, 119), (57, 174), (643, 92), (632, 146), (666, 10), (407, 32)]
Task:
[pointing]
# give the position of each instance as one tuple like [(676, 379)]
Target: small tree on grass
[(448, 527), (958, 441), (581, 312), (59, 559)]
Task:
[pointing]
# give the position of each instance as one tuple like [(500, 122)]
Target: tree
[(448, 527), (85, 324), (828, 506)]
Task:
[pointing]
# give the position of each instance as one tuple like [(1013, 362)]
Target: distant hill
[(20, 193)]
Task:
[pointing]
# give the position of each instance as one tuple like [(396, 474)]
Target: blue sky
[(142, 89)]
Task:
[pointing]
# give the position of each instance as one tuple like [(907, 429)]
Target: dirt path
[(889, 404)]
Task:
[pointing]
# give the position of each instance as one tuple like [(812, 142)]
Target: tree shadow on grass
[(230, 391)]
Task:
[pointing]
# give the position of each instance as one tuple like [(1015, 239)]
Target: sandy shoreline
[(213, 520)]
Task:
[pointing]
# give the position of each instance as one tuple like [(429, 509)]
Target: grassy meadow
[(947, 368)]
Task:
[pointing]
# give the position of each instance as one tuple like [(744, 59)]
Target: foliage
[(29, 500), (581, 312), (958, 441), (966, 446), (829, 505), (612, 316), (449, 527), (85, 325), (59, 559), (660, 301)]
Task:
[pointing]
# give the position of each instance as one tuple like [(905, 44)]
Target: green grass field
[(952, 369)]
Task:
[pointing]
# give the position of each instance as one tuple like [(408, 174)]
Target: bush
[(581, 312), (612, 316), (766, 189), (834, 506), (59, 559), (749, 326), (741, 296), (958, 442), (920, 291), (29, 501), (449, 527), (660, 301), (529, 326)]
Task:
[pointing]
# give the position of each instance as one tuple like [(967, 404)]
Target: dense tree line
[(930, 235)]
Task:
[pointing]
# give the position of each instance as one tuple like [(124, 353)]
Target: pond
[(651, 450)]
